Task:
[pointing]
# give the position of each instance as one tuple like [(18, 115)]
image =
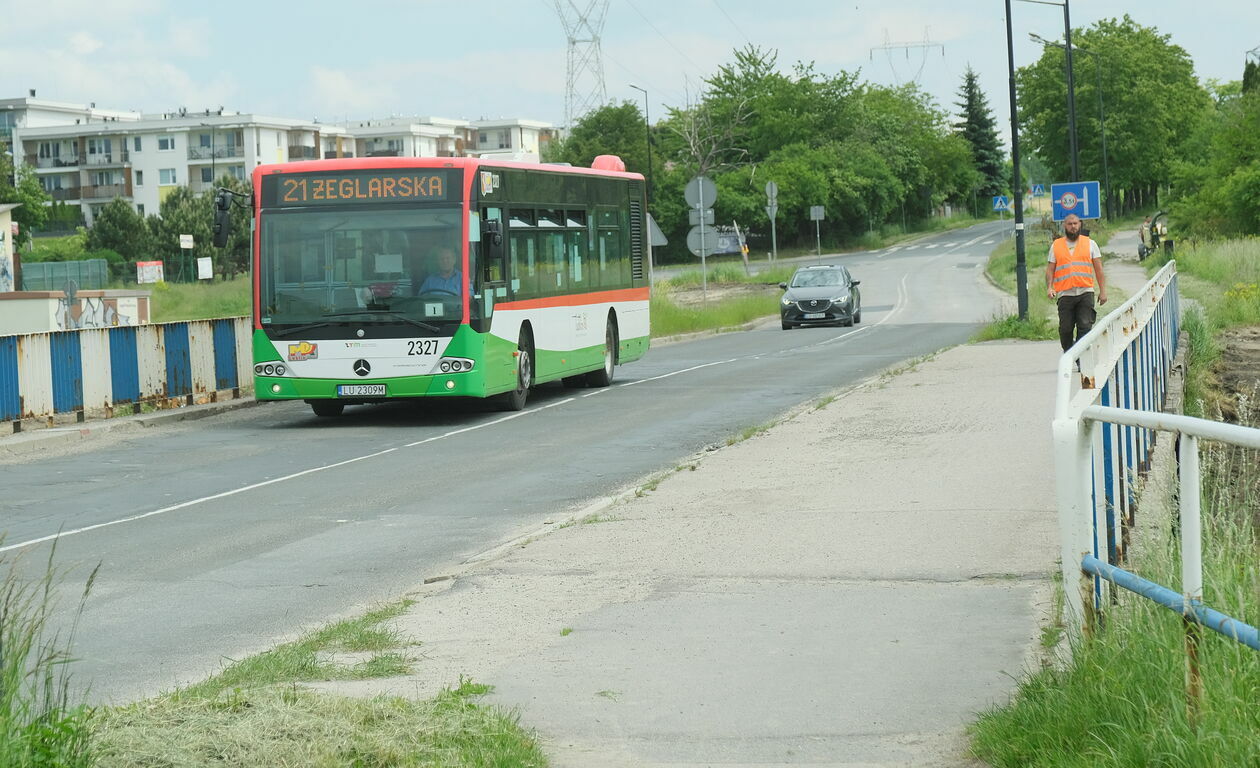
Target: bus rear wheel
[(515, 400), (327, 408), (604, 376)]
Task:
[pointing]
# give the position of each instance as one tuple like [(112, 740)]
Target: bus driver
[(447, 279)]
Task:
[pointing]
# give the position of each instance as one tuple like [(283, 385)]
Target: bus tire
[(604, 376), (327, 408), (515, 400)]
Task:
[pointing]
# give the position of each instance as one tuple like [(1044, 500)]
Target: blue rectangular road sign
[(1000, 203), (1039, 190), (1079, 197)]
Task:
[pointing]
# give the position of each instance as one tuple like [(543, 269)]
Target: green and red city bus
[(355, 300)]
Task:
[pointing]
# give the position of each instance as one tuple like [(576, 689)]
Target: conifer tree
[(979, 128)]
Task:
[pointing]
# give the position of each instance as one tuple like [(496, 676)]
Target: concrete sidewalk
[(848, 588)]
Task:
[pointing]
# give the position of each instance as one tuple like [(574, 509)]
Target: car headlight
[(788, 301), (842, 298)]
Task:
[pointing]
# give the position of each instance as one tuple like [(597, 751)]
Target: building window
[(140, 208), (139, 178), (505, 141), (237, 171), (207, 175), (166, 176), (166, 142), (203, 139), (135, 144), (103, 178), (49, 149)]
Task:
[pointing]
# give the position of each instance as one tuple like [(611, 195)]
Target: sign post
[(817, 213), (772, 208), (700, 193), (185, 246)]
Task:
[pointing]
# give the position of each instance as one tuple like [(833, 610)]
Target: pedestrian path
[(848, 588)]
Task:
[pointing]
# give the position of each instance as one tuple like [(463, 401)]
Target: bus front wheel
[(515, 400)]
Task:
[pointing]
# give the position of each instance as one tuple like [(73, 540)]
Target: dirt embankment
[(1239, 370)]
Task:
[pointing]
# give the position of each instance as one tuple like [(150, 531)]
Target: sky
[(498, 58)]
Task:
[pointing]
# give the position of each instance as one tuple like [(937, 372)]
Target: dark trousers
[(1076, 317)]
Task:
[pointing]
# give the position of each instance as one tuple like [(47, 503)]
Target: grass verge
[(173, 302), (671, 319), (41, 723), (256, 712)]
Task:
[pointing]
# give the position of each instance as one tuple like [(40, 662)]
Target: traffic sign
[(817, 213), (772, 210), (702, 243), (772, 192), (186, 241), (700, 192), (695, 215), (1039, 190), (1078, 197), (1000, 203)]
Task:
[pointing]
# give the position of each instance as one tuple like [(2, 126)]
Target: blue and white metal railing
[(1104, 435)]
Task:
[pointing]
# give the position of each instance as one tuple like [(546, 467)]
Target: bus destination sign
[(401, 185)]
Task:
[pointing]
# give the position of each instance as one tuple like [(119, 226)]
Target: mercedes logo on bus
[(361, 368)]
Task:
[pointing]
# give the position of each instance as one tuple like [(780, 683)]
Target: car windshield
[(388, 266), (817, 278)]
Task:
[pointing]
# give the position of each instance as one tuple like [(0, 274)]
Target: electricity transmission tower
[(888, 47), (584, 73)]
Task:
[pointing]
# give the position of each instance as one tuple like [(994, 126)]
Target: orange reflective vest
[(1073, 271)]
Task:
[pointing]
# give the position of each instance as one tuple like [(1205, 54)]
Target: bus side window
[(577, 255), (523, 265), (551, 277)]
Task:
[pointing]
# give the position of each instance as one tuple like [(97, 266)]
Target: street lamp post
[(1071, 85), (1102, 116), (1017, 184), (647, 125)]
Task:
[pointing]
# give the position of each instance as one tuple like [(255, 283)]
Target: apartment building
[(85, 157), (89, 163)]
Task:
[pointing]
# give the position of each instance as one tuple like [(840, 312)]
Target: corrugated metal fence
[(92, 371), (90, 274)]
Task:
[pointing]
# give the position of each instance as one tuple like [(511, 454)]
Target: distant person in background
[(1145, 230), (447, 279), (1073, 272)]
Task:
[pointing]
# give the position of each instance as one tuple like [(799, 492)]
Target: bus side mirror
[(222, 220), (492, 241)]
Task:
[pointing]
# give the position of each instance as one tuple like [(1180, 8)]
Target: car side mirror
[(783, 286), (855, 282)]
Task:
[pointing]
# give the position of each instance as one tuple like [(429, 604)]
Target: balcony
[(107, 191), (384, 153), (69, 193), (69, 161), (108, 158), (229, 152), (302, 153)]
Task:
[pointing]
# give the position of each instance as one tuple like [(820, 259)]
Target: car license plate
[(360, 390), (815, 315)]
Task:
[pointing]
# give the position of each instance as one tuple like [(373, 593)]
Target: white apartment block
[(86, 157), (89, 163)]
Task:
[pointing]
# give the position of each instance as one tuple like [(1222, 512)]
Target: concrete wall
[(43, 311)]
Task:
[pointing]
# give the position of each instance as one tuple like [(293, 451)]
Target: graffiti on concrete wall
[(6, 269), (94, 312)]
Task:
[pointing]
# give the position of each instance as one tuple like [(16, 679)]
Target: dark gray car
[(821, 295)]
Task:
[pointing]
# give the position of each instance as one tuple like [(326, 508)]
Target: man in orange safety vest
[(1073, 271)]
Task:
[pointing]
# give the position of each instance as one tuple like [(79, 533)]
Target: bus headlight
[(269, 369), (279, 369)]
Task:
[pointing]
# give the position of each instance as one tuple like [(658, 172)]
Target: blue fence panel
[(67, 371), (10, 399), (224, 354), (124, 363), (178, 360)]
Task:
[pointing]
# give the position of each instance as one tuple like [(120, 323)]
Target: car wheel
[(787, 326), (515, 400), (327, 408), (858, 317)]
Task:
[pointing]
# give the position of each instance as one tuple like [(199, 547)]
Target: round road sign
[(1068, 201), (772, 191), (702, 246)]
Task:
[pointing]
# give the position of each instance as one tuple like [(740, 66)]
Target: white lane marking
[(989, 242), (911, 247), (894, 249), (902, 299), (930, 245)]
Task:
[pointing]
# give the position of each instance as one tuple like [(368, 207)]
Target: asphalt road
[(220, 537)]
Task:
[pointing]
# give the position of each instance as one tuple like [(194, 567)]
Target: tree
[(183, 213), (1251, 76), (1153, 103), (615, 129), (25, 190), (118, 227), (978, 128)]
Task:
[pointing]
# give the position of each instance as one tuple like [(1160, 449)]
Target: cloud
[(83, 44)]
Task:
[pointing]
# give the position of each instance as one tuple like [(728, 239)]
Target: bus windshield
[(350, 265)]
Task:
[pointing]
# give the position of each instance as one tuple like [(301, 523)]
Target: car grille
[(814, 305)]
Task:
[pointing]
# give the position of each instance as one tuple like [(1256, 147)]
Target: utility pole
[(1017, 184), (647, 125), (1071, 94)]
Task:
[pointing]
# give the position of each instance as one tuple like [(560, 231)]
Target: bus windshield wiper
[(300, 329), (392, 313)]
